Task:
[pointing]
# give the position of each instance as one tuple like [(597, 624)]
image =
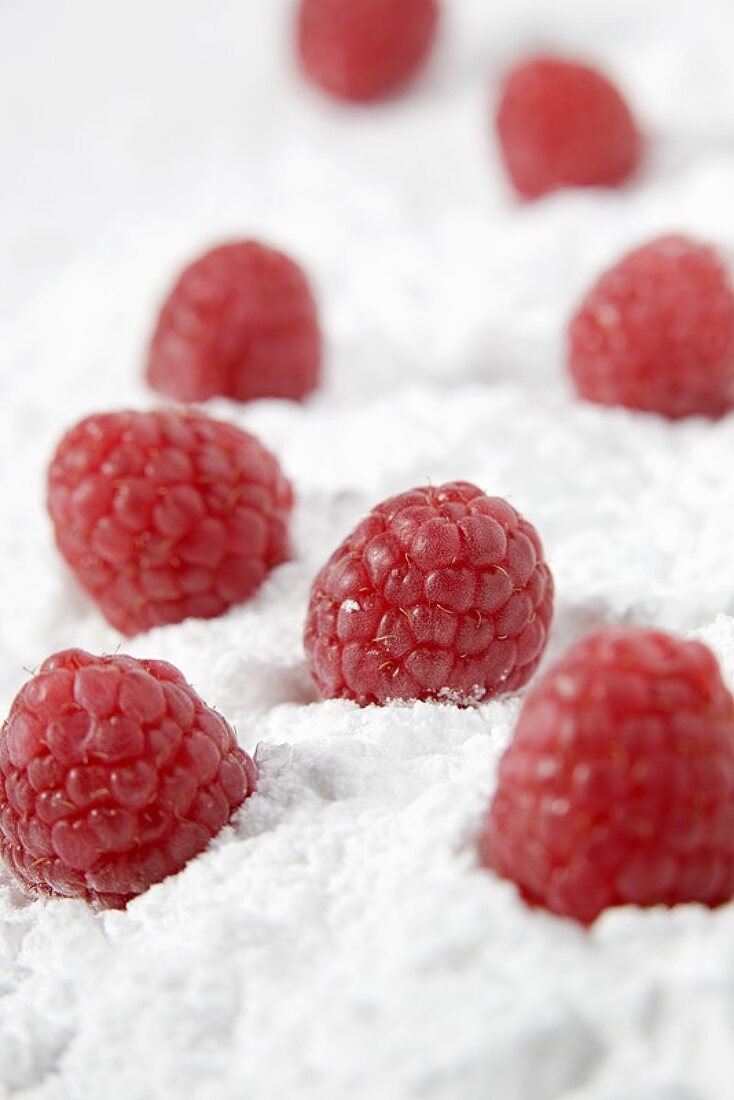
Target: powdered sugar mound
[(338, 939)]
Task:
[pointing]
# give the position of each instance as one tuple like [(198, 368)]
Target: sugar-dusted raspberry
[(364, 50), (618, 786), (240, 322), (113, 774), (562, 124), (439, 593), (656, 332), (165, 516)]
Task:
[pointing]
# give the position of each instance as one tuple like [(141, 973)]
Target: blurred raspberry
[(618, 786), (365, 50), (656, 332), (113, 774), (240, 322), (165, 516), (439, 593), (562, 124)]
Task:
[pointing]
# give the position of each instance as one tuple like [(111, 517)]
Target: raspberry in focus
[(113, 775), (618, 786), (438, 593), (656, 332), (562, 124), (363, 50), (240, 322), (165, 516)]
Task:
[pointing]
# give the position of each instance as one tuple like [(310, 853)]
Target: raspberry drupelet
[(240, 322), (364, 50), (563, 124), (441, 592), (618, 785), (113, 774), (167, 515), (656, 332)]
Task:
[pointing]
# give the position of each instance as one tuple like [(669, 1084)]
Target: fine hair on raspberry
[(113, 774), (618, 785), (241, 322), (656, 332), (168, 515), (439, 593)]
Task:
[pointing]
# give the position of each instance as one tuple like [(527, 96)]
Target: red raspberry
[(113, 774), (618, 787), (562, 124), (364, 50), (439, 593), (241, 322), (656, 332), (165, 516)]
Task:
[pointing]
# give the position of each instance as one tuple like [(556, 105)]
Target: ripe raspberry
[(439, 593), (113, 774), (618, 785), (364, 50), (165, 516), (562, 124), (656, 332), (241, 322)]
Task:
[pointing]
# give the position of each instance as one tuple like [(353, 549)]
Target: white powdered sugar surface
[(338, 939)]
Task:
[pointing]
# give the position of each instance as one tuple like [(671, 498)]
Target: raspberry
[(241, 322), (113, 774), (618, 785), (656, 332), (562, 124), (166, 515), (438, 593), (364, 50)]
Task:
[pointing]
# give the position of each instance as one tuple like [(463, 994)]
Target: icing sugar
[(338, 938)]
